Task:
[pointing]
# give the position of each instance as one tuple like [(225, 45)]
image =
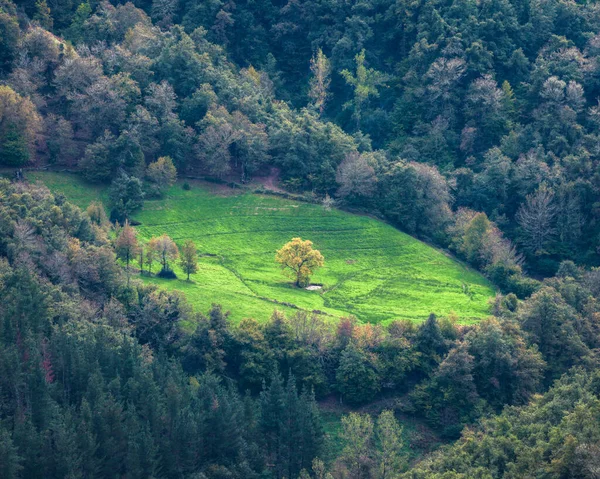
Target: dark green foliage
[(9, 34), (356, 377), (416, 198), (10, 461), (126, 196), (559, 429), (552, 325), (90, 376), (431, 344), (449, 399), (290, 425), (474, 125), (505, 370), (14, 148)]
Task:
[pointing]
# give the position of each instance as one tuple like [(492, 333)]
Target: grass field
[(371, 269)]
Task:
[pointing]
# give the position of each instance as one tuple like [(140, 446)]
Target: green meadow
[(372, 270)]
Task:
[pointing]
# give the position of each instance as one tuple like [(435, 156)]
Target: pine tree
[(311, 429), (430, 342), (42, 14), (10, 461), (272, 418)]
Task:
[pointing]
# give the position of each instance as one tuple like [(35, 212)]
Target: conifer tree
[(430, 342), (10, 461)]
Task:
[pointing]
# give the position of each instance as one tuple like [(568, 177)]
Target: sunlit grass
[(372, 270)]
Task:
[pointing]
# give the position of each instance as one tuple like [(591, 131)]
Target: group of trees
[(372, 450), (92, 379), (102, 377), (408, 111), (523, 442), (161, 249), (297, 257), (473, 125)]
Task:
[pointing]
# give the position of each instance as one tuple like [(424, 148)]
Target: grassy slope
[(372, 270)]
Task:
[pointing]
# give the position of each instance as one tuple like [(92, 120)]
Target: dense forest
[(474, 126)]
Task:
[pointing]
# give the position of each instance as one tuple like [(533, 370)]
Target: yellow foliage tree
[(162, 173), (300, 259)]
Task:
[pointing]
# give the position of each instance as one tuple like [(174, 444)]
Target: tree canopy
[(300, 259)]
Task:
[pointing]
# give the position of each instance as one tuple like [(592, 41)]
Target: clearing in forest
[(372, 270)]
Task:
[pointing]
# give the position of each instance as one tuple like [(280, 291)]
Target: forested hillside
[(472, 125), (101, 376), (409, 109)]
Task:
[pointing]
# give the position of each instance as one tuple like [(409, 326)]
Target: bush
[(167, 273), (522, 286)]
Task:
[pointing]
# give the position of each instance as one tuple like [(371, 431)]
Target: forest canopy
[(473, 125)]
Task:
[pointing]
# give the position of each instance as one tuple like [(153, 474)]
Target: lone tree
[(166, 250), (126, 245), (188, 259), (300, 259), (162, 173)]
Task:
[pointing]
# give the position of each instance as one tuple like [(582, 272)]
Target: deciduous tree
[(366, 83), (356, 177), (126, 245), (388, 455), (166, 250), (536, 219), (162, 173), (356, 377), (357, 433), (126, 196), (320, 68), (188, 258), (301, 259), (151, 249)]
